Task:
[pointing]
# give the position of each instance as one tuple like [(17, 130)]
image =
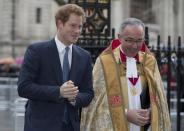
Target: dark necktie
[(66, 66), (66, 70)]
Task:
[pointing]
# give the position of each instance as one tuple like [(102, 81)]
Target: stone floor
[(10, 121), (12, 108)]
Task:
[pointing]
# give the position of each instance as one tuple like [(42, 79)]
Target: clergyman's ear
[(119, 36)]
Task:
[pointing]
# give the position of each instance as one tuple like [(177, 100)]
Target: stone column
[(166, 20), (6, 20), (54, 8), (22, 20), (119, 11), (181, 18)]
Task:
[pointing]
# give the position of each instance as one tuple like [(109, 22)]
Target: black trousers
[(67, 127)]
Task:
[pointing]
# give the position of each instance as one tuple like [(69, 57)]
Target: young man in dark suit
[(56, 76)]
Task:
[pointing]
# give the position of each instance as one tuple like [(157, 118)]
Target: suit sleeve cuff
[(73, 102)]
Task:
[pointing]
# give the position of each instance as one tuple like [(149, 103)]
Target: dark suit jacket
[(39, 81)]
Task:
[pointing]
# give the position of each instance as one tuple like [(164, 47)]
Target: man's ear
[(59, 23), (119, 36)]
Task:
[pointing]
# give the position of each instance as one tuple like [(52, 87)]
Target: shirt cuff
[(73, 102)]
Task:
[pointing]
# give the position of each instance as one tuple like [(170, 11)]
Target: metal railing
[(10, 102)]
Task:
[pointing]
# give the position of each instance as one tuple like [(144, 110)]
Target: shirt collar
[(60, 46), (123, 56), (131, 67)]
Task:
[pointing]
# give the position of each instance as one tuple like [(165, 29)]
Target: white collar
[(131, 67), (131, 71), (60, 46)]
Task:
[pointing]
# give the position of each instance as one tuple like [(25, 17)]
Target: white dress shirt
[(61, 49)]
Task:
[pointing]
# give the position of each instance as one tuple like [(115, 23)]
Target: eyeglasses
[(133, 41)]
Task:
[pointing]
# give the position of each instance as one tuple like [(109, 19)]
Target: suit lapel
[(53, 57), (75, 63), (55, 61)]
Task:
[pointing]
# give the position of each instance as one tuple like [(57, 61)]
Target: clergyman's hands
[(139, 117), (69, 91)]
